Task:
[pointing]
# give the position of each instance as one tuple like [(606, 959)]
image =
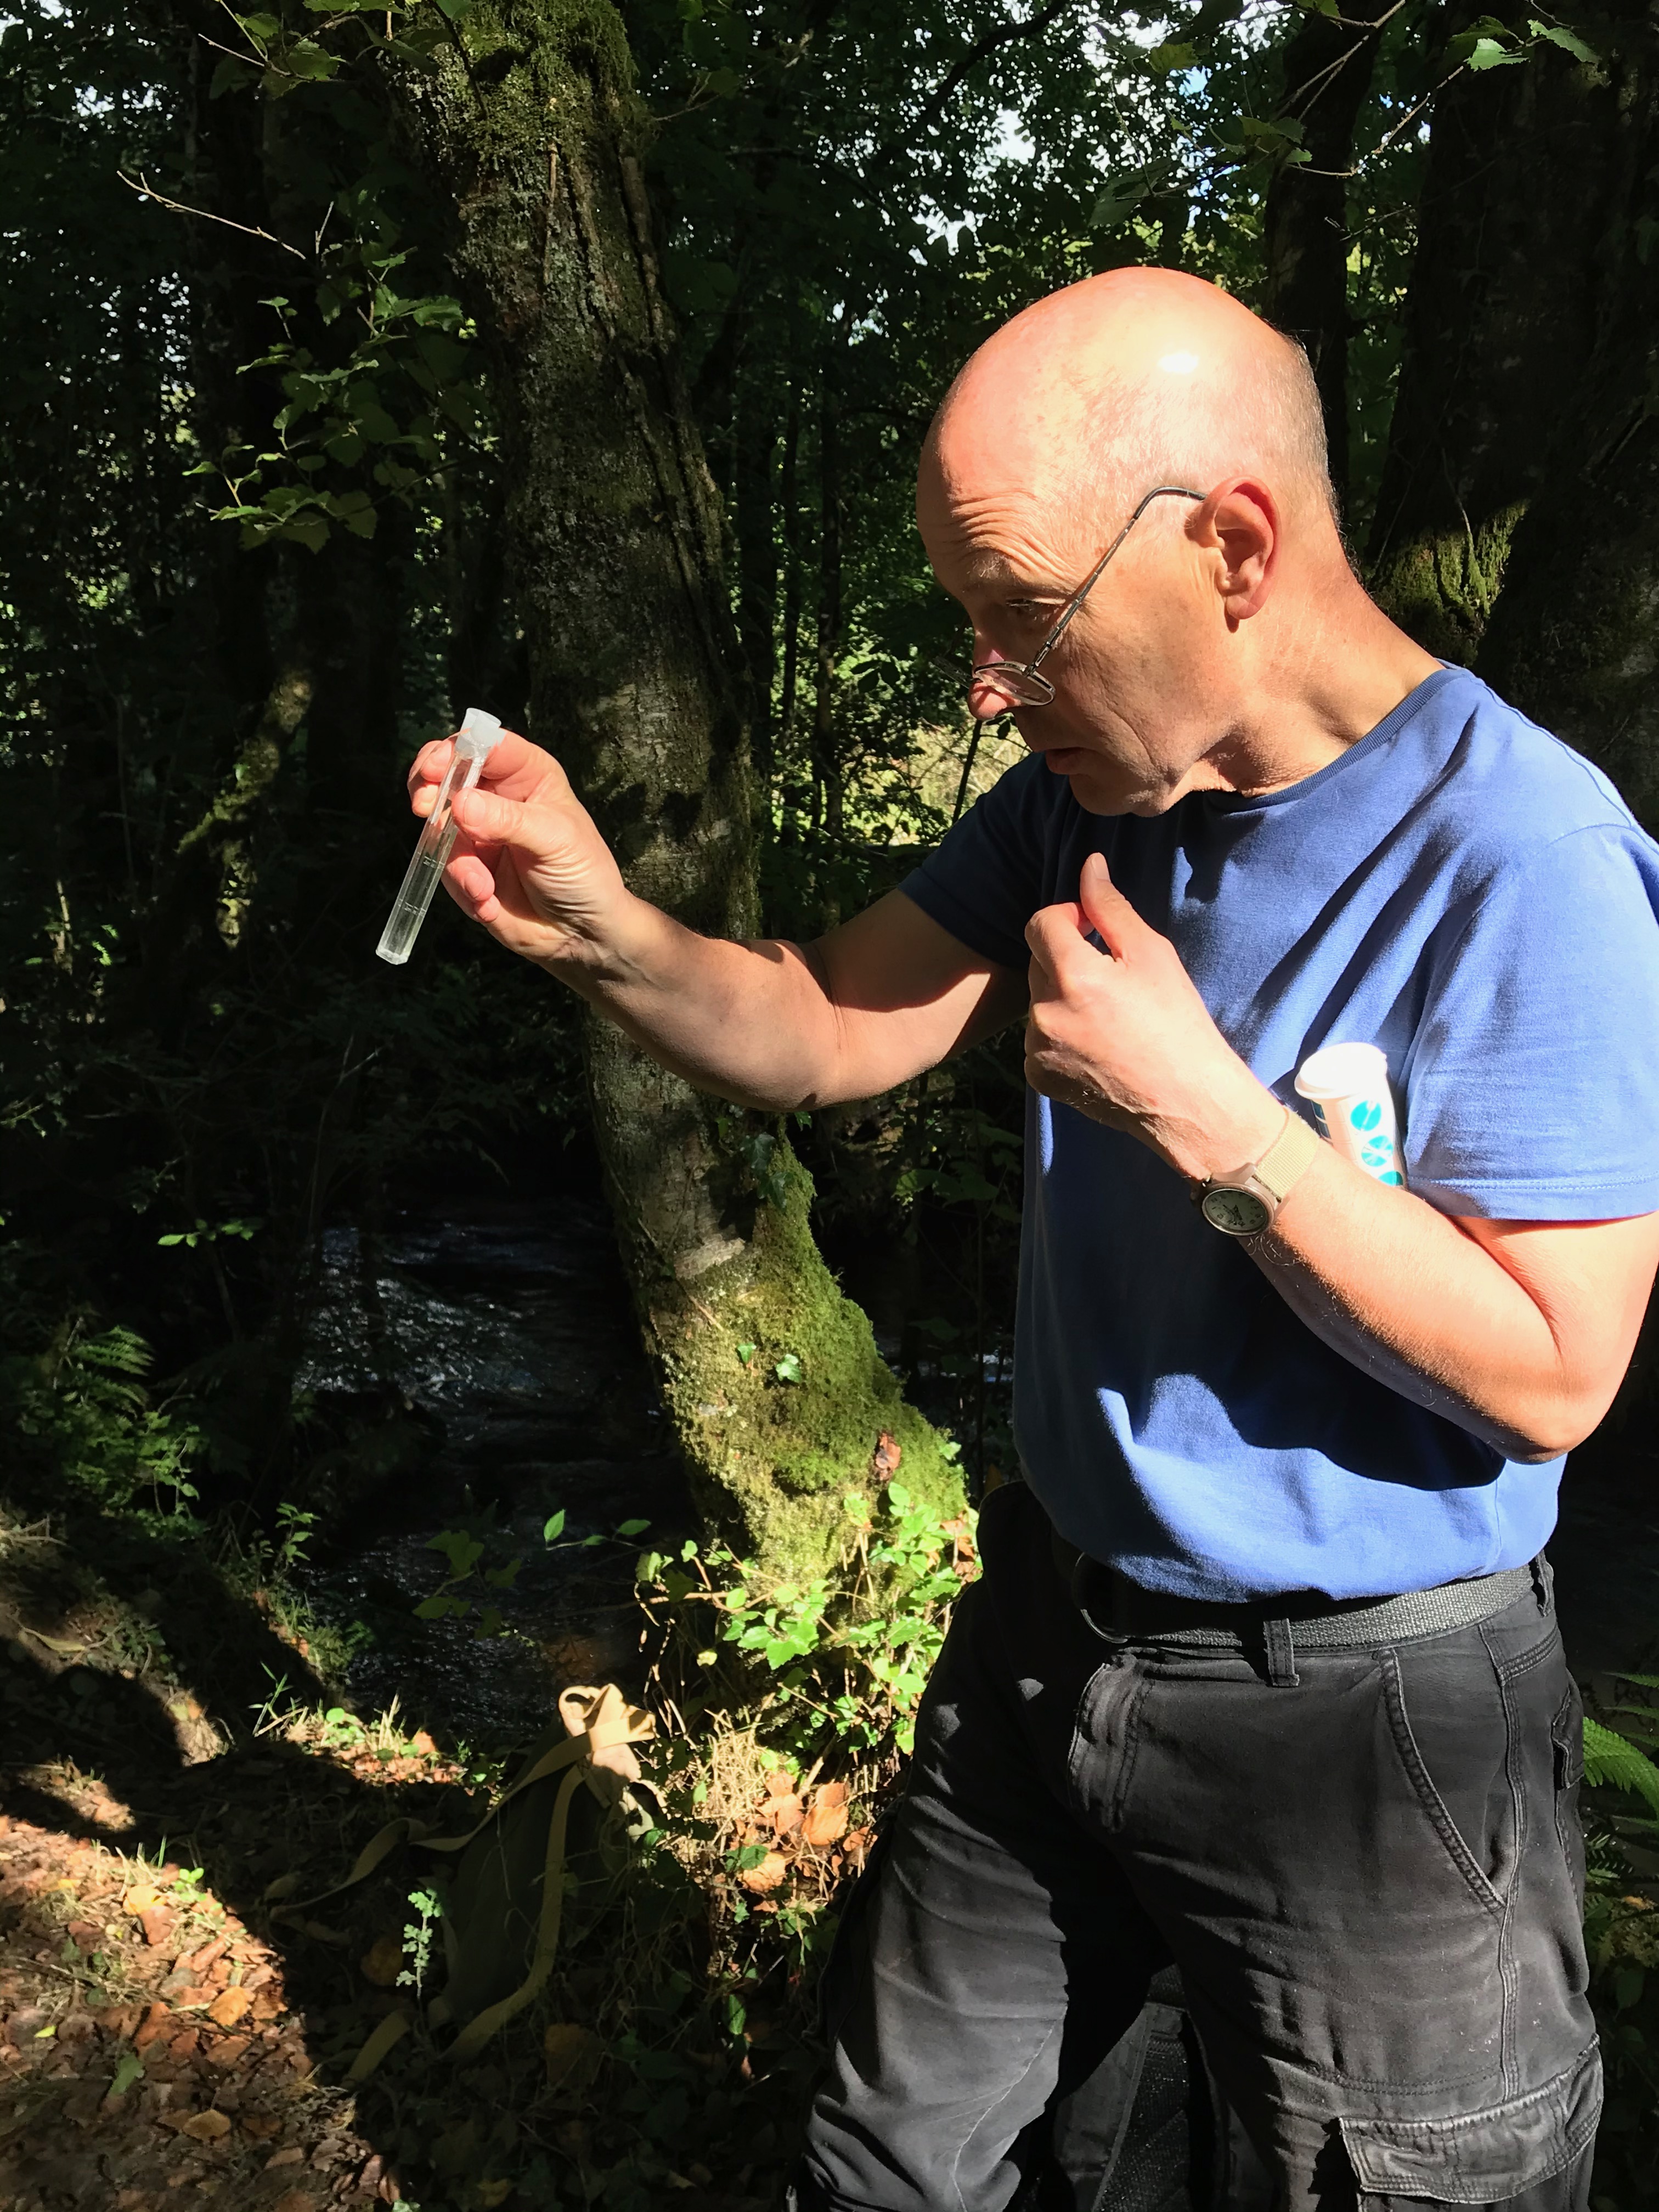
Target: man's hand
[(528, 862), (1123, 1037)]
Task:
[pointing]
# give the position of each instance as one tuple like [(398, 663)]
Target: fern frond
[(1615, 1760)]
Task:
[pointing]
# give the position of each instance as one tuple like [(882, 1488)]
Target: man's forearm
[(1406, 1294), (748, 1022)]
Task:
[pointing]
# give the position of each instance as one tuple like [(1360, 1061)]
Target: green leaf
[(746, 1352), (1613, 1760), (555, 1527), (128, 2069), (1487, 54), (787, 1369), (1569, 41), (632, 1528), (1173, 54), (261, 26)]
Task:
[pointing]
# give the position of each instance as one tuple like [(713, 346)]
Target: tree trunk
[(1328, 71), (1501, 318), (614, 540), (1574, 640)]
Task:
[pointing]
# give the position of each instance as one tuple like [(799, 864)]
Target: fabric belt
[(1305, 1620)]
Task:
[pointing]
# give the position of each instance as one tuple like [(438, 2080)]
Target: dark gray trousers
[(1371, 1881)]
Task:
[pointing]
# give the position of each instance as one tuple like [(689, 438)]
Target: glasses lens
[(1025, 686)]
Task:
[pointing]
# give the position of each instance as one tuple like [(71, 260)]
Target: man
[(1263, 1675)]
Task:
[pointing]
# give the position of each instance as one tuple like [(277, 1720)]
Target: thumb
[(489, 819), (1104, 906)]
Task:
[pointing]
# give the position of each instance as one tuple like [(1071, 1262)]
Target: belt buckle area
[(1077, 1583)]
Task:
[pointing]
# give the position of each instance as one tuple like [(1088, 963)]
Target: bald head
[(1138, 377)]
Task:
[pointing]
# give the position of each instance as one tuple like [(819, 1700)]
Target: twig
[(146, 190)]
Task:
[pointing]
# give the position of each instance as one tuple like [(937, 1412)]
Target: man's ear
[(1242, 519)]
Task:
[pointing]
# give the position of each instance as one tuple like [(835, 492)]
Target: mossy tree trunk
[(1505, 295), (613, 539)]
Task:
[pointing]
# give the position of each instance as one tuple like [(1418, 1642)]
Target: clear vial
[(477, 739)]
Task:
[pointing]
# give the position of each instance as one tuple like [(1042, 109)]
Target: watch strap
[(1291, 1152)]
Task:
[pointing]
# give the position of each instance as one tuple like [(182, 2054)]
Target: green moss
[(771, 1457), (1442, 588), (549, 57)]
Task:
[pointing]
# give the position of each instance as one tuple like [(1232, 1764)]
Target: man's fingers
[(489, 819), (1105, 906), (1054, 934)]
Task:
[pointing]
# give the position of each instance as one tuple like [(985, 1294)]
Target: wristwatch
[(1243, 1204)]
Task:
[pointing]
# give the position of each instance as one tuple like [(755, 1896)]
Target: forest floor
[(167, 2036)]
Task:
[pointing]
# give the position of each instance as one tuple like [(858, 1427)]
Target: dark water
[(500, 1334)]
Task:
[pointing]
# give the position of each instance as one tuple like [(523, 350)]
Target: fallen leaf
[(383, 1961), (261, 2126), (225, 2053), (767, 1875), (827, 1821), (572, 2053), (292, 2156), (421, 1741), (489, 2194), (785, 1813), (295, 2200), (887, 1455), (269, 2003), (193, 1996), (229, 2007), (84, 1935), (158, 1925), (156, 2021), (778, 1783), (209, 1956), (205, 2127), (140, 1898), (182, 2045)]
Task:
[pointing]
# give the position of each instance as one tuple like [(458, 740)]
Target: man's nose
[(987, 698)]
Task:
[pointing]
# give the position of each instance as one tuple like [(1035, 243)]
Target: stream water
[(504, 1326)]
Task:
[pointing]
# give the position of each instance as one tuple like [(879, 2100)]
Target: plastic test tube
[(1348, 1085), (477, 739)]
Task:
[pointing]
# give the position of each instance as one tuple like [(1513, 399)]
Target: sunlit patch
[(1178, 364)]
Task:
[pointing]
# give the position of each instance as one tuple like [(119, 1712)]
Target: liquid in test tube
[(477, 738)]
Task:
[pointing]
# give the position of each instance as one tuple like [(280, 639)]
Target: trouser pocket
[(1531, 2154)]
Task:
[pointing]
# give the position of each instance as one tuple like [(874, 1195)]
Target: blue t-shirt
[(1460, 889)]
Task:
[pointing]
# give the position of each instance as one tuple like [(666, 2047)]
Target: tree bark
[(1328, 71), (613, 531), (1502, 316), (1574, 640)]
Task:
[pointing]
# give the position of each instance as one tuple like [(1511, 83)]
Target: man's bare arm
[(1518, 1331), (765, 1023)]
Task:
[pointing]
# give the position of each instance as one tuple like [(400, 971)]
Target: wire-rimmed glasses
[(1022, 681)]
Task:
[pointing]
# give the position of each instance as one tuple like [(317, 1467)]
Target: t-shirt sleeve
[(985, 882), (1533, 1086)]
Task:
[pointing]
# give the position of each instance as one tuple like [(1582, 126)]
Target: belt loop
[(1543, 1582), (1281, 1654)]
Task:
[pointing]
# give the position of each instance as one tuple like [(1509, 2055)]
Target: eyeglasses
[(1021, 680)]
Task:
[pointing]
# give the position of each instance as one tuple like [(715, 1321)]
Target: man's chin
[(1096, 787)]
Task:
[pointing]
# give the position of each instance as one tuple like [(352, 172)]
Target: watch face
[(1239, 1213)]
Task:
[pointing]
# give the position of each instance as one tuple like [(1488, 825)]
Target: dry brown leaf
[(140, 1898), (158, 1925), (489, 2194), (887, 1455), (778, 1783), (383, 1961), (572, 2053), (156, 2021), (827, 1821), (226, 2052), (206, 2127), (269, 2003), (229, 2007), (295, 2200), (767, 1875), (194, 1995), (786, 1814), (421, 1741), (292, 2156), (260, 2125), (182, 2045)]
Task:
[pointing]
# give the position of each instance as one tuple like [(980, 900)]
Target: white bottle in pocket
[(1348, 1085)]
